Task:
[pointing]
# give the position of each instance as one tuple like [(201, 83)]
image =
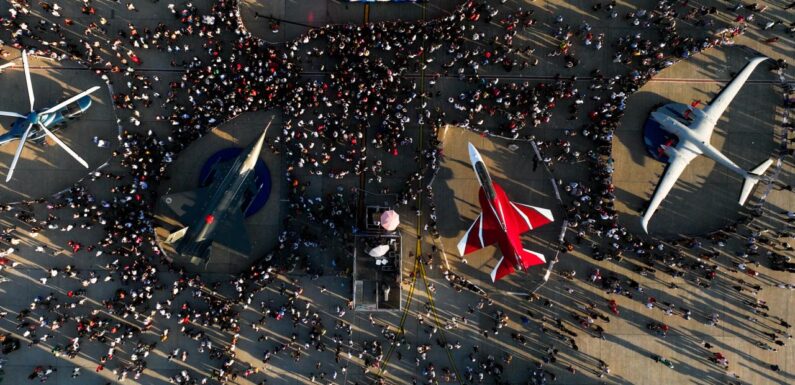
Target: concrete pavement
[(628, 344)]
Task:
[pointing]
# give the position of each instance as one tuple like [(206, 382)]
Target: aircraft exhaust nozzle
[(752, 179)]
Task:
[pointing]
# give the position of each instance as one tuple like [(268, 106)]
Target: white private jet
[(688, 131)]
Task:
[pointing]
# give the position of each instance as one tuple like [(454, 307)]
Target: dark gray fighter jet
[(216, 213)]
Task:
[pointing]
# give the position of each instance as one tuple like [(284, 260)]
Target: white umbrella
[(378, 251), (390, 220)]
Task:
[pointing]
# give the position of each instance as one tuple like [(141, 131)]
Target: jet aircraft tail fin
[(505, 267), (531, 258), (752, 179), (502, 269)]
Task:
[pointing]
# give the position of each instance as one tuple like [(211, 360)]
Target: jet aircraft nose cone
[(474, 155)]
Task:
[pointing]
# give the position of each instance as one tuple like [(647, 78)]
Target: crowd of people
[(353, 121)]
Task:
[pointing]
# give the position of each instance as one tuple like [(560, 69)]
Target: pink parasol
[(390, 220)]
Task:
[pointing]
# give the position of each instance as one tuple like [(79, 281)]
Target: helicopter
[(38, 124)]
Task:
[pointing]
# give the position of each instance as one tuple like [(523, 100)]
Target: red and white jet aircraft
[(502, 222)]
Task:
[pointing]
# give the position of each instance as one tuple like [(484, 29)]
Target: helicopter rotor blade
[(27, 79), (63, 145), (19, 152), (68, 101), (11, 114)]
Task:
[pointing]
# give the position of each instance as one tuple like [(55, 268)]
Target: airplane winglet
[(547, 213), (644, 223), (462, 244), (493, 273)]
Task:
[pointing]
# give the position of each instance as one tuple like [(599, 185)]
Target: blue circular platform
[(262, 173)]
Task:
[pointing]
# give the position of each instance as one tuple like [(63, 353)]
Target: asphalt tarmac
[(703, 201)]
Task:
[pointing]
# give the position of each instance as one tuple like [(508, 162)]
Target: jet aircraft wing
[(484, 234), (677, 162), (530, 217), (231, 233), (715, 109), (182, 204)]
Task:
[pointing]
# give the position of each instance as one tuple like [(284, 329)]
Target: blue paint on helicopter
[(53, 121)]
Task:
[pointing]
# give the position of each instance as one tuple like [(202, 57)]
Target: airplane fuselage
[(694, 134), (508, 239), (493, 198), (226, 196)]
